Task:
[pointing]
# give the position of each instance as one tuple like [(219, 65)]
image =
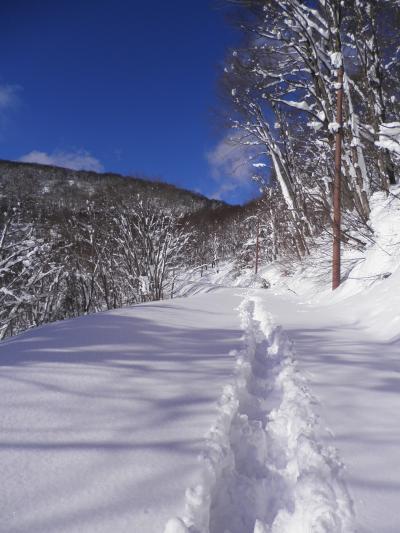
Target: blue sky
[(123, 85)]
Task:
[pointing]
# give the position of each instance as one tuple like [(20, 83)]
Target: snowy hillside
[(57, 188), (239, 410)]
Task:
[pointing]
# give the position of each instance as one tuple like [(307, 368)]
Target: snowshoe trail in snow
[(264, 467)]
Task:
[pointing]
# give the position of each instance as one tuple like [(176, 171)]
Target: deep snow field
[(232, 409)]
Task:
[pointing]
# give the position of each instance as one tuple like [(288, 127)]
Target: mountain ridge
[(21, 179)]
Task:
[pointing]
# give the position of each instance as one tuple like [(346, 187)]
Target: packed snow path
[(103, 419), (264, 466)]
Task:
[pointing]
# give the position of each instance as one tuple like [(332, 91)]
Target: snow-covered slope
[(360, 270), (289, 397)]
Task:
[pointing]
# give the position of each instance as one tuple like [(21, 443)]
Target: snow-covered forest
[(73, 243), (218, 384), (66, 258)]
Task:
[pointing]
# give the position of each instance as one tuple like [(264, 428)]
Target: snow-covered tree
[(150, 244), (282, 84), (28, 275)]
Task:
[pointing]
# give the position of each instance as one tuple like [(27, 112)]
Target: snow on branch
[(389, 137)]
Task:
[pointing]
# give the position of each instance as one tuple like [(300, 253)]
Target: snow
[(353, 372), (360, 271), (315, 125), (347, 346), (175, 525), (103, 417), (333, 127), (303, 106), (264, 467), (389, 137), (235, 409), (336, 59)]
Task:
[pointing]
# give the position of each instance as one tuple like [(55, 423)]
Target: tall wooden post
[(257, 244), (337, 183)]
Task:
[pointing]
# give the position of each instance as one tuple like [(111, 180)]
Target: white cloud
[(78, 160), (231, 167), (8, 96), (9, 100)]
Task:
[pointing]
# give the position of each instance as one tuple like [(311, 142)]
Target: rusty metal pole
[(257, 244), (337, 183)]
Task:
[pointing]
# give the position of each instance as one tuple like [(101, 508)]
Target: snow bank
[(378, 308), (264, 468), (382, 256), (310, 279)]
